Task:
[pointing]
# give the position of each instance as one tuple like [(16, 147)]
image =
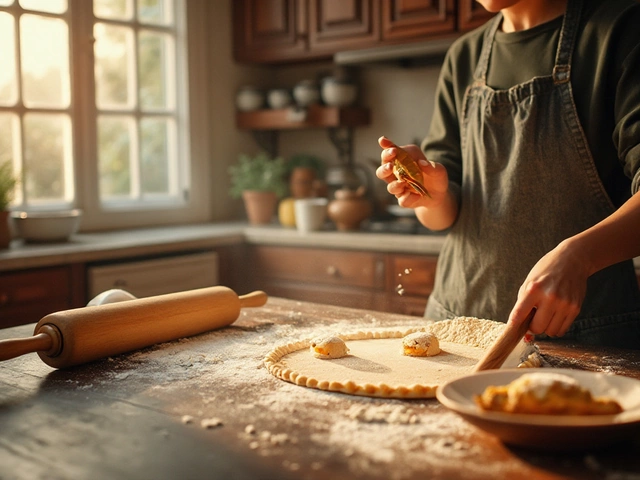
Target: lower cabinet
[(157, 276), (369, 280), (27, 296)]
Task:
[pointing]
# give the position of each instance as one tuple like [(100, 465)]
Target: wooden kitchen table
[(206, 408)]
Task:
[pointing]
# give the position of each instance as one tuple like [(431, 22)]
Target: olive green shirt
[(605, 78)]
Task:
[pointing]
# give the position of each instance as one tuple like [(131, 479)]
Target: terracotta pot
[(260, 206), (301, 182), (349, 208), (5, 232)]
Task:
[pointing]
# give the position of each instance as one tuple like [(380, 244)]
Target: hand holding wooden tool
[(504, 344), (73, 337)]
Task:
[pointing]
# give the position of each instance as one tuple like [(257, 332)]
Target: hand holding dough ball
[(420, 344), (329, 347)]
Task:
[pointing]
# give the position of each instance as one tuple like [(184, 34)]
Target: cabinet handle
[(4, 298), (332, 271), (119, 283)]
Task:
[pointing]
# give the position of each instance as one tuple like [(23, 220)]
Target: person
[(534, 168)]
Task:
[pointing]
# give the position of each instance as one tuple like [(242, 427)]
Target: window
[(94, 108)]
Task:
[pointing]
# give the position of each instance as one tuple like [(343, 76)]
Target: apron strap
[(568, 33)]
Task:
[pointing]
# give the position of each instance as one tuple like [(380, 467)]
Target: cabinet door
[(416, 19), (411, 278), (471, 15), (336, 25), (269, 30), (27, 296)]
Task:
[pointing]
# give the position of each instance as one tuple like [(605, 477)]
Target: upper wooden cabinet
[(279, 31), (343, 24), (266, 31), (416, 19)]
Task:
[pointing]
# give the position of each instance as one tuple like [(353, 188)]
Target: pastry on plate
[(546, 394)]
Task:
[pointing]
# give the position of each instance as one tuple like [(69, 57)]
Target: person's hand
[(555, 287), (435, 178)]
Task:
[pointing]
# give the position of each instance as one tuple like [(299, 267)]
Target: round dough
[(329, 346), (375, 367), (420, 344)]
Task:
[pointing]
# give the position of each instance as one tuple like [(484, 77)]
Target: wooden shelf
[(314, 116)]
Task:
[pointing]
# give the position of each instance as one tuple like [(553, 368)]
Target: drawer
[(323, 266), (156, 276), (411, 274)]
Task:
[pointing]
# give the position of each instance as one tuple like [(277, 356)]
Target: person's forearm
[(442, 216), (614, 239)]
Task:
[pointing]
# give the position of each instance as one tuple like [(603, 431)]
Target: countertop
[(140, 415), (93, 247)]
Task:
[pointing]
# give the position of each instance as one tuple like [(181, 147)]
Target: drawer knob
[(332, 271), (4, 298)]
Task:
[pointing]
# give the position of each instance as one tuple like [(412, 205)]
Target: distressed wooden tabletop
[(205, 407)]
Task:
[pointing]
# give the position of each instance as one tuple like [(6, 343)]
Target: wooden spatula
[(504, 345)]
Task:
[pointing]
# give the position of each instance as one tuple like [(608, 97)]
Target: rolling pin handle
[(47, 340), (253, 299)]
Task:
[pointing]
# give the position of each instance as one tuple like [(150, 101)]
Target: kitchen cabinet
[(410, 280), (369, 280), (269, 30), (28, 295), (281, 31), (335, 277), (157, 276), (407, 20)]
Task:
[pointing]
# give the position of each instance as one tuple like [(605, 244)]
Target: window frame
[(193, 125)]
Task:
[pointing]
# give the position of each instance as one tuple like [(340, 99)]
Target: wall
[(400, 99)]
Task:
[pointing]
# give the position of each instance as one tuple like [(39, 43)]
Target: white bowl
[(338, 94), (55, 226)]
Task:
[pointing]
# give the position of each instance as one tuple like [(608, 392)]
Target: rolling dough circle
[(376, 367)]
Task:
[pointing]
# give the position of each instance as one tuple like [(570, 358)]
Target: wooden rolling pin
[(73, 337)]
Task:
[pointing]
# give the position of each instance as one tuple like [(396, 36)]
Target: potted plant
[(304, 171), (8, 182), (260, 181)]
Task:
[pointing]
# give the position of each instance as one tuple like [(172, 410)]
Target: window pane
[(47, 163), (6, 3), (50, 6), (113, 71), (155, 53), (113, 9), (115, 139), (8, 82), (157, 12), (157, 140), (44, 44)]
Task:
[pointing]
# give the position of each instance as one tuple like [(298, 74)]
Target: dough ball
[(329, 346), (546, 394), (420, 344)]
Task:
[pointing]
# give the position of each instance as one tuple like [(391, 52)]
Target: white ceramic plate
[(556, 432)]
